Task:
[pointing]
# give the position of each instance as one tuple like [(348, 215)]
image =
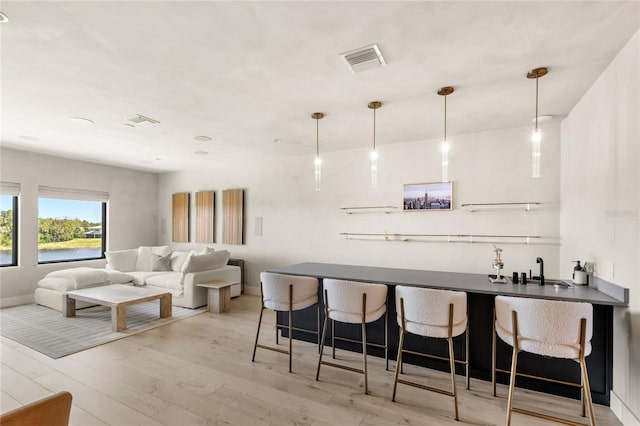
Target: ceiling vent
[(364, 58), (142, 121)]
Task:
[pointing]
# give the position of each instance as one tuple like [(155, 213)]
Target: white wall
[(600, 193), (131, 211), (301, 225)]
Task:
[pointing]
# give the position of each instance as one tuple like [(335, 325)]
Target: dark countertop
[(472, 283)]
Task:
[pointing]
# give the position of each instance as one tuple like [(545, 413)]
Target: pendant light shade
[(536, 136), (318, 161), (374, 154), (445, 91)]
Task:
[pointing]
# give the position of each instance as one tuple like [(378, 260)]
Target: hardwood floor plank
[(198, 371)]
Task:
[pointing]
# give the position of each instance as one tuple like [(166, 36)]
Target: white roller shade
[(72, 194), (9, 188)]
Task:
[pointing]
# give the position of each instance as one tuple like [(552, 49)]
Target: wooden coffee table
[(118, 297)]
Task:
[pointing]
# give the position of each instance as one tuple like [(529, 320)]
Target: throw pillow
[(122, 260), (178, 259), (204, 262), (145, 260), (161, 263)]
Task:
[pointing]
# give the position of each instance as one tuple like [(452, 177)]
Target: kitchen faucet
[(541, 262)]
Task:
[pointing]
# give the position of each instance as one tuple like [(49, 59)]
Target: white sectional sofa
[(178, 272)]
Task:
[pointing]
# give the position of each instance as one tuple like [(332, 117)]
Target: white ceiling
[(247, 73)]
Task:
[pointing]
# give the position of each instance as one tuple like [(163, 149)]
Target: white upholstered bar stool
[(354, 303), (550, 328), (431, 313), (287, 293)]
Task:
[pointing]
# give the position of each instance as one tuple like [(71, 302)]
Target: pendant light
[(374, 154), (536, 136), (444, 91), (318, 161)]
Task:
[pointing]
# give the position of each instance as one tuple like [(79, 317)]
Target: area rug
[(47, 331)]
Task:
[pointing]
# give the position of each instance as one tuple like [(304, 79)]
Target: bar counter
[(480, 301)]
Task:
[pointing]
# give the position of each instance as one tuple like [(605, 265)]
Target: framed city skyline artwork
[(427, 196)]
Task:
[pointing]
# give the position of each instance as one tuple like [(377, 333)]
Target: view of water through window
[(6, 229), (69, 229)]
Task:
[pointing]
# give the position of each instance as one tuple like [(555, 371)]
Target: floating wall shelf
[(373, 209), (526, 205), (454, 238)]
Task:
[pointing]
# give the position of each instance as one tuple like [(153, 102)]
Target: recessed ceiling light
[(128, 125), (3, 18), (30, 138), (158, 158), (277, 141), (146, 162), (82, 121), (201, 153), (542, 118), (203, 138)]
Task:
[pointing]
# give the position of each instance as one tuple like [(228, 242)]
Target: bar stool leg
[(584, 413), (333, 340), (514, 362), (290, 324), (255, 346), (398, 365), (318, 325), (386, 339), (493, 354), (467, 357), (452, 362), (364, 342), (324, 333)]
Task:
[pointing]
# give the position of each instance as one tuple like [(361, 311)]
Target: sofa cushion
[(116, 277), (82, 277), (146, 256), (56, 283), (169, 280), (203, 262), (122, 260), (161, 263), (140, 277)]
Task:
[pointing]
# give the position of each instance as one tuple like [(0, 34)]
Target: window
[(9, 223), (71, 225)]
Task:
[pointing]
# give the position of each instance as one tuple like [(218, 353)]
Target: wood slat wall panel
[(233, 216), (180, 217), (205, 216)]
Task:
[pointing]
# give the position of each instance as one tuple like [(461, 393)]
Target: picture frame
[(427, 196)]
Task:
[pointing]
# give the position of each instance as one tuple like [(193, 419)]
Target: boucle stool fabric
[(426, 311), (344, 299), (545, 327), (275, 291)]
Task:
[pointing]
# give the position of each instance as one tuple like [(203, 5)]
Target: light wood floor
[(198, 371)]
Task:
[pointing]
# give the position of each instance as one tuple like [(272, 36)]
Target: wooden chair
[(52, 410)]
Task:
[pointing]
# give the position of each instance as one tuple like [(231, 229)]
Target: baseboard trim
[(17, 300), (252, 290), (622, 411)]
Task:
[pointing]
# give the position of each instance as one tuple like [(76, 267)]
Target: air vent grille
[(364, 58), (142, 120)]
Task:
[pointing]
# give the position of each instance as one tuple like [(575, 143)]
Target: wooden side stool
[(218, 295)]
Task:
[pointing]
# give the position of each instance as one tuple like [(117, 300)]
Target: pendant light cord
[(317, 138), (374, 129), (536, 103), (445, 118)]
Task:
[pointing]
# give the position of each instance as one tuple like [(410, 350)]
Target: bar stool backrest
[(344, 299), (545, 327), (426, 311), (275, 291)]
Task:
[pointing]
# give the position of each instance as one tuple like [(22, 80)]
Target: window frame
[(103, 246), (14, 233)]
